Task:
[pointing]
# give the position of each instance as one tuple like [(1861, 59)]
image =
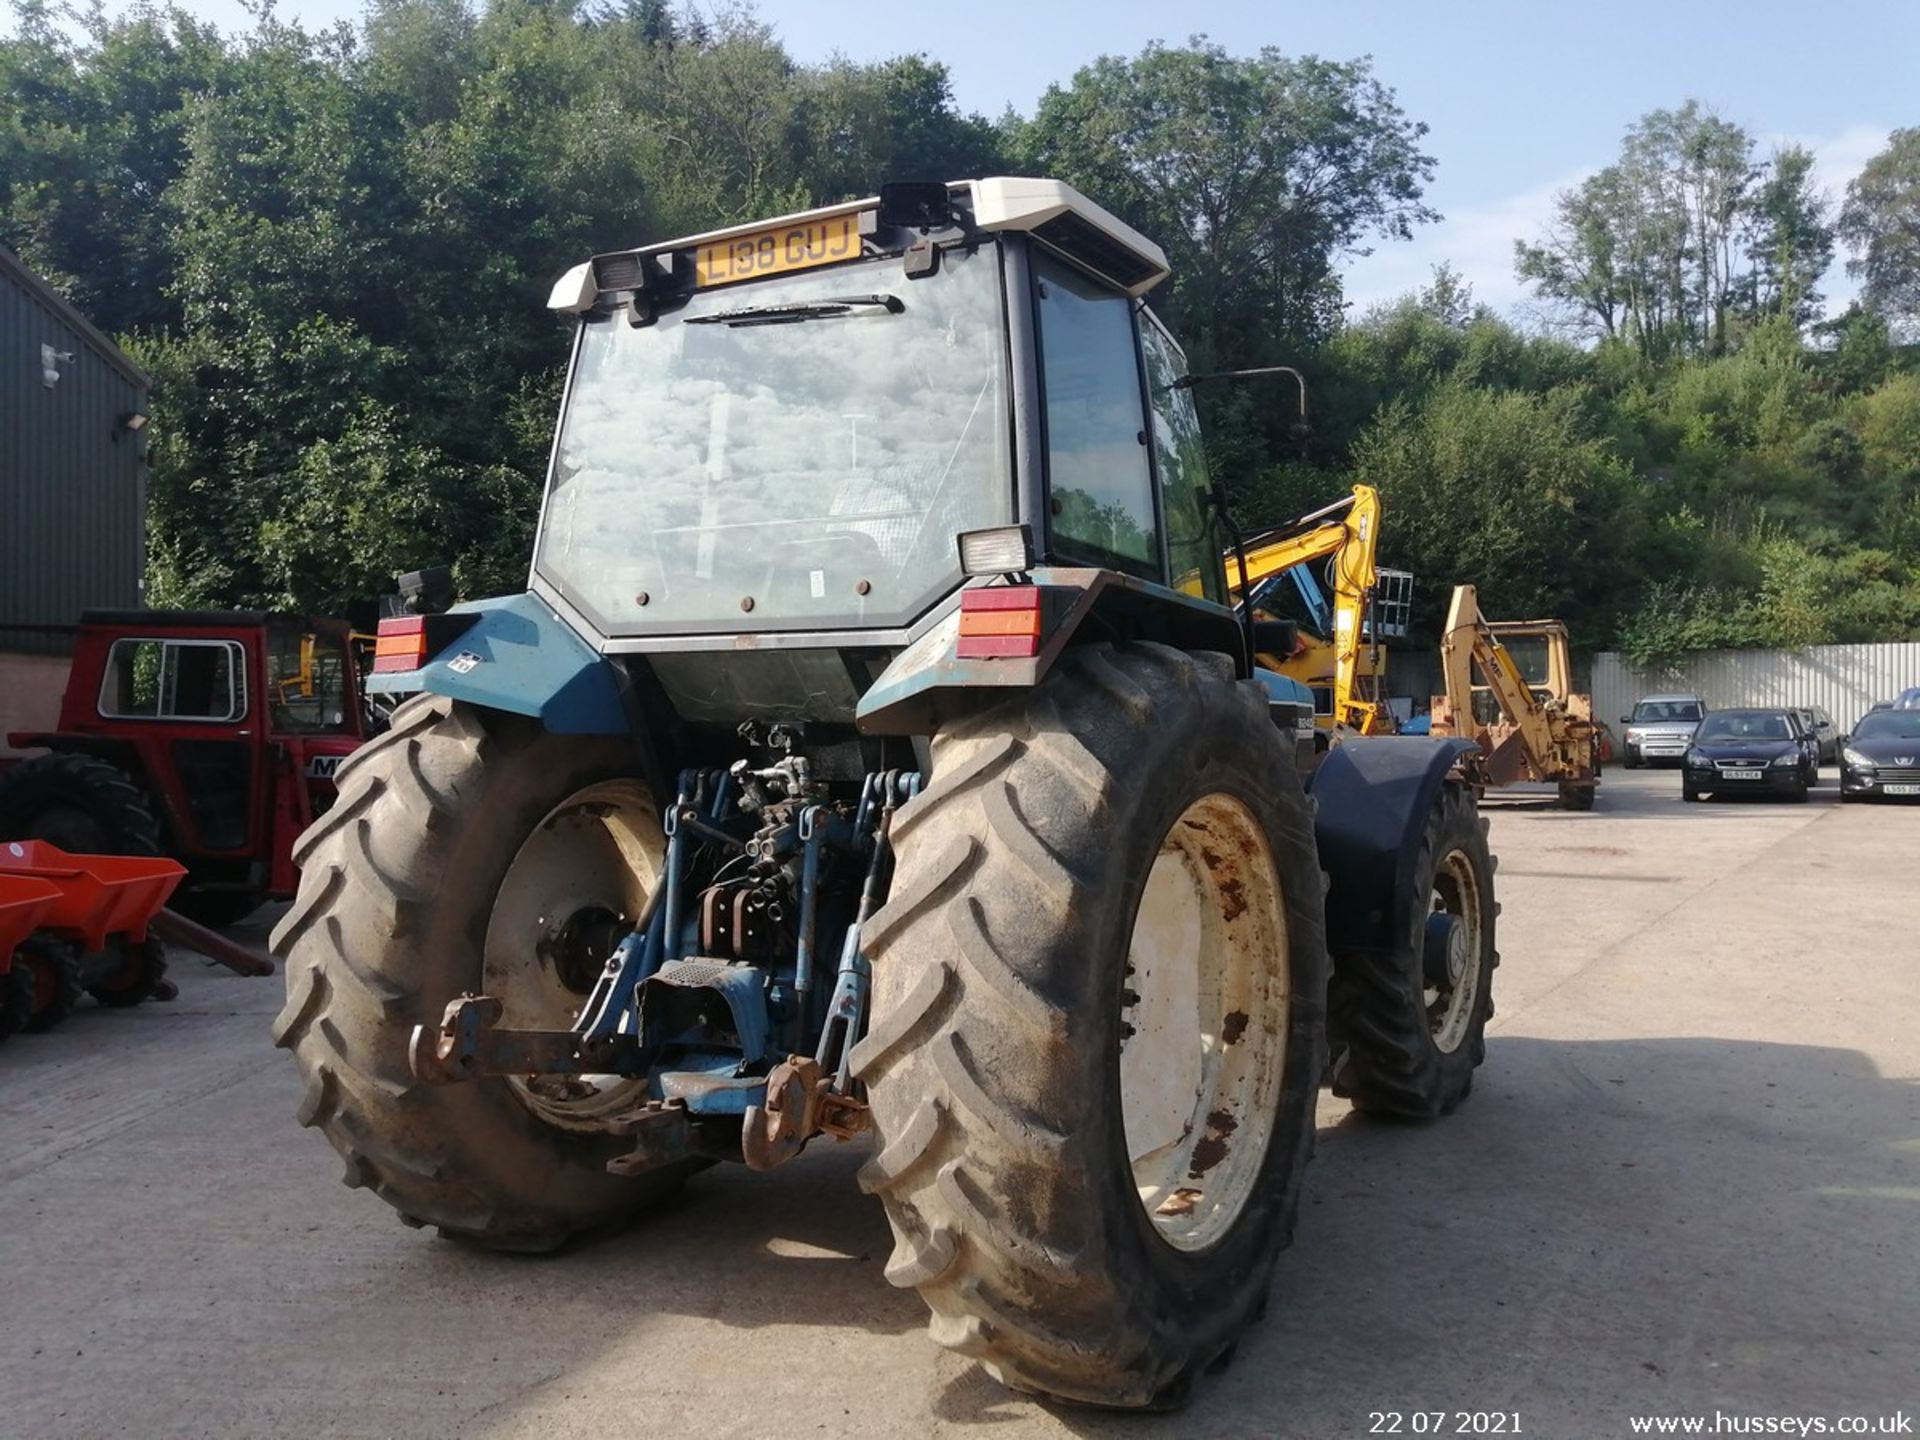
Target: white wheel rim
[(1204, 1018), (1450, 1007), (601, 849)]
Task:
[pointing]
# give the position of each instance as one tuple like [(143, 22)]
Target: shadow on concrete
[(1606, 1228)]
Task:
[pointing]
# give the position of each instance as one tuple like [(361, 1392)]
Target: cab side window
[(1195, 545), (174, 680), (1102, 482)]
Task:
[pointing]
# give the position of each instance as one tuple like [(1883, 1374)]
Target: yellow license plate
[(770, 252)]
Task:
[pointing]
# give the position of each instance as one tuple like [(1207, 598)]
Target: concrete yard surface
[(1688, 1181)]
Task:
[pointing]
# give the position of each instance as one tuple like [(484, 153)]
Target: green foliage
[(1506, 488), (332, 250), (1257, 175), (1881, 220), (1685, 240)]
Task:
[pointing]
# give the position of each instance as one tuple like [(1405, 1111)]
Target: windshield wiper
[(801, 310)]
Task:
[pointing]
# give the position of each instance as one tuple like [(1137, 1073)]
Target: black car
[(1882, 756), (1756, 751), (1820, 726)]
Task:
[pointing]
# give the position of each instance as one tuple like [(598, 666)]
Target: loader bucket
[(24, 904), (99, 895)]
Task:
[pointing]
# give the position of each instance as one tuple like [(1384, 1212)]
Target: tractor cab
[(209, 736), (786, 450)]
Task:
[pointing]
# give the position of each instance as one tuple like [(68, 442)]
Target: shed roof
[(10, 265)]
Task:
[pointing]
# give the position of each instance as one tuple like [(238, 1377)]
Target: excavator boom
[(1347, 531), (1527, 729)]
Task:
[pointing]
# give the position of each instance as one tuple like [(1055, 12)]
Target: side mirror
[(1626, 719)]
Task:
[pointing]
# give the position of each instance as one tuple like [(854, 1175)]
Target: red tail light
[(1000, 621), (400, 644)]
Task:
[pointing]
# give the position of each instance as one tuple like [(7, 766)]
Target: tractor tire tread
[(100, 788), (371, 868), (1377, 1001), (56, 965), (980, 1163)]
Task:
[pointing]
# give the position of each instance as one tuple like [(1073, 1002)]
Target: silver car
[(1660, 729)]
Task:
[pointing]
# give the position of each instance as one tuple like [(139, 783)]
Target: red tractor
[(211, 737)]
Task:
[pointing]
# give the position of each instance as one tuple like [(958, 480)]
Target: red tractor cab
[(211, 737)]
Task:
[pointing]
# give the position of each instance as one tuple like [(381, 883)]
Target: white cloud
[(1477, 240)]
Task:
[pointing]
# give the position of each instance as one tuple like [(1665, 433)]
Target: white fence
[(1844, 680)]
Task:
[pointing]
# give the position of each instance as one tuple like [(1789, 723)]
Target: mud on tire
[(396, 889), (993, 1058), (1389, 1060)]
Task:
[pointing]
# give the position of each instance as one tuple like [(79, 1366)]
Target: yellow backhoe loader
[(1522, 710), (1339, 654)]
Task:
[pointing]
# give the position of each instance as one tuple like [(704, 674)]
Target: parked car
[(1660, 729), (1882, 755), (1826, 737), (1908, 699), (1759, 751)]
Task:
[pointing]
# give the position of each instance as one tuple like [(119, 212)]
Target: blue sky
[(1523, 96)]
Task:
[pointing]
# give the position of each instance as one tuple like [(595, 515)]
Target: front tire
[(413, 891), (1118, 859), (1413, 1019)]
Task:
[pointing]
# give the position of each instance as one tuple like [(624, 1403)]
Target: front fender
[(1373, 796), (515, 654)]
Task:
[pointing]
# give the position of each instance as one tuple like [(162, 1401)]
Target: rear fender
[(515, 654), (1373, 796), (928, 684)]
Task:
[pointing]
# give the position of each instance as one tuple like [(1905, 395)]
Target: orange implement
[(24, 903), (97, 895)]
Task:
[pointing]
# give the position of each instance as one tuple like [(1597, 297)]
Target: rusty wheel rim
[(590, 863), (1203, 1022), (1450, 1005)]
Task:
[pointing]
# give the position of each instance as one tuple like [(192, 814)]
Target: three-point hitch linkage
[(713, 996)]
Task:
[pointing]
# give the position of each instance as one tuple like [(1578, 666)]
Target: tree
[(1789, 239), (1256, 174), (1881, 221), (1683, 232)]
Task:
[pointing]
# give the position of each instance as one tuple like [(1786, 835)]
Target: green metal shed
[(72, 468)]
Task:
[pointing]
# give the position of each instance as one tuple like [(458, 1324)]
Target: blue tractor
[(876, 752)]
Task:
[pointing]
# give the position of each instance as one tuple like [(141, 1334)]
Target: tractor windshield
[(765, 458)]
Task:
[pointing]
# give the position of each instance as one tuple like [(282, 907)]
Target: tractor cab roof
[(204, 620), (1051, 211)]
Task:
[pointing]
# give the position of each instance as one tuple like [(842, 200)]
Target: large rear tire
[(1097, 1026), (1413, 1019), (461, 842)]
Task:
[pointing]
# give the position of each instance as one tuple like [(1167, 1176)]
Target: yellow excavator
[(1340, 654), (1522, 711)]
